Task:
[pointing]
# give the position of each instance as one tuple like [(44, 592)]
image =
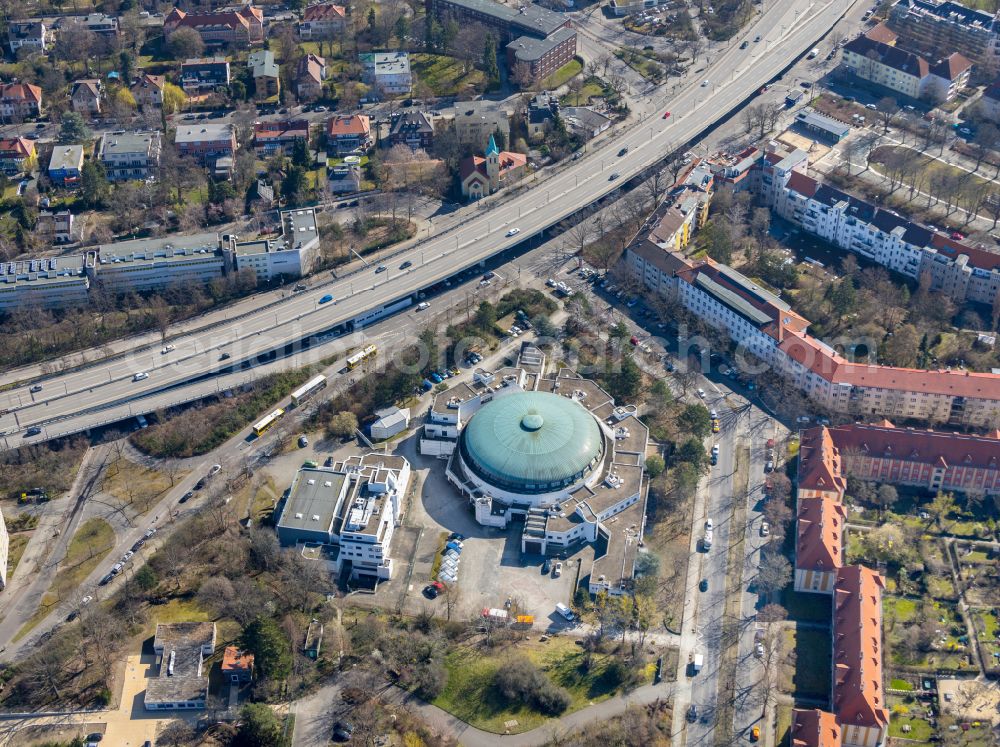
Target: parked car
[(216, 468), (545, 567), (765, 529), (303, 442), (692, 713), (557, 571), (701, 393), (186, 497), (703, 585)]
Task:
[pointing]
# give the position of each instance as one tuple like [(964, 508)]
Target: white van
[(697, 663), (565, 611)]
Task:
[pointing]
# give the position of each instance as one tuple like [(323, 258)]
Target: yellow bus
[(267, 421), (368, 351)]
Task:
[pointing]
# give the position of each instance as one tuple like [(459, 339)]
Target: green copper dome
[(532, 442)]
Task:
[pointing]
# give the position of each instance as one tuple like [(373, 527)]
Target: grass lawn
[(784, 725), (806, 607), (561, 76), (92, 542), (592, 87), (931, 167), (898, 684), (445, 76), (137, 485), (807, 674), (904, 715), (15, 550), (470, 695)]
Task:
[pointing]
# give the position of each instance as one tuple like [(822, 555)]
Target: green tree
[(219, 192), (73, 129), (146, 578), (300, 154), (696, 420), (293, 186), (238, 90), (624, 383), (343, 424), (655, 466), (486, 316), (259, 727), (692, 452), (843, 297), (270, 647), (490, 66), (402, 28), (371, 18), (94, 187), (500, 138)]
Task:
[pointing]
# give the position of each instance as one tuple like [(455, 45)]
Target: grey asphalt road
[(735, 73)]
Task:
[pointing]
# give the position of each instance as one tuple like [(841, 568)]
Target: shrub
[(521, 680)]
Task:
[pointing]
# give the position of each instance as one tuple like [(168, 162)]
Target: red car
[(634, 340), (666, 114), (957, 236)]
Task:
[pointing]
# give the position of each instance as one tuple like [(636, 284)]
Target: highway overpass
[(76, 400)]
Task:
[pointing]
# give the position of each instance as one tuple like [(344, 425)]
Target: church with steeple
[(494, 170)]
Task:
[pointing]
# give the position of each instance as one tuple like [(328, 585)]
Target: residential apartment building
[(926, 459), (542, 57), (206, 74), (859, 716), (961, 271), (243, 27), (905, 72), (206, 142), (930, 26), (181, 682), (264, 71), (475, 121), (412, 128), (65, 165), (19, 101), (532, 35), (148, 91), (354, 506), (31, 35), (278, 136), (322, 21), (386, 72), (291, 254), (17, 156), (85, 97), (153, 264), (130, 155), (56, 227), (765, 326), (309, 77), (345, 177), (351, 133), (56, 283)]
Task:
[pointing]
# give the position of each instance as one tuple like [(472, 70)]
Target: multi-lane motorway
[(79, 399)]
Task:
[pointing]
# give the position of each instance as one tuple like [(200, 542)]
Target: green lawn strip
[(570, 70), (92, 542), (445, 75), (811, 675), (898, 684), (583, 96), (15, 550), (438, 555), (471, 696)]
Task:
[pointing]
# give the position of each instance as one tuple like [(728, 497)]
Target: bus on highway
[(368, 351), (308, 389), (267, 421)]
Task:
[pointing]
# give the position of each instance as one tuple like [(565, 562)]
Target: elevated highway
[(76, 400)]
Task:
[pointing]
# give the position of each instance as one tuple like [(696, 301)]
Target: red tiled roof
[(802, 183), (234, 659), (820, 539), (858, 692), (25, 91), (472, 164), (951, 66), (922, 446), (352, 124), (881, 33), (978, 257), (810, 353), (277, 130), (16, 147), (324, 12), (233, 19), (147, 79), (814, 728), (819, 462)]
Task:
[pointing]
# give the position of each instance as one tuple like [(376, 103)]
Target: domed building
[(552, 449), (529, 446)]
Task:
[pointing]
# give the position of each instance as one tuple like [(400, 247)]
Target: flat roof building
[(182, 679)]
